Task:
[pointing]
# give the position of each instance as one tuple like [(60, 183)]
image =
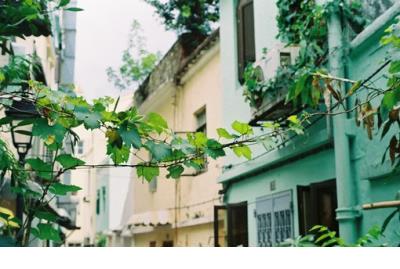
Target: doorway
[(230, 225), (317, 205)]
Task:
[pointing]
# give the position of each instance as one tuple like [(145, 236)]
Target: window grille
[(274, 216)]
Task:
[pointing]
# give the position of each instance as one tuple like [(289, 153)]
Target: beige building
[(185, 88), (100, 202)]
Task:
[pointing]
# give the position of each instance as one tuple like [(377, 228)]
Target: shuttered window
[(274, 216), (246, 35)]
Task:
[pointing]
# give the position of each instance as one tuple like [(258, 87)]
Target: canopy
[(151, 218)]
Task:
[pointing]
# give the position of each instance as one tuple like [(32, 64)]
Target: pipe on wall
[(348, 211)]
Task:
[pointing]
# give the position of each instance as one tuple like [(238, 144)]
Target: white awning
[(151, 218)]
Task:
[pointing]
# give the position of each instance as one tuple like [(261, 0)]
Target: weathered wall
[(377, 182), (373, 180), (200, 88)]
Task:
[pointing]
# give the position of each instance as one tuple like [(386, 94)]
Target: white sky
[(102, 31), (102, 35)]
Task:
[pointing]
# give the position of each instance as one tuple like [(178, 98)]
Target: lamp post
[(22, 113)]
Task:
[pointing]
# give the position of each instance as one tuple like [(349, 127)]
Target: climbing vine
[(301, 24)]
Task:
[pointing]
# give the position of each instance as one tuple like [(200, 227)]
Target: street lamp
[(22, 113)]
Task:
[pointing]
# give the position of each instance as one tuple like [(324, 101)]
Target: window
[(317, 206), (201, 121), (168, 243), (98, 203), (74, 244), (246, 36), (67, 177), (153, 185), (285, 59), (79, 149), (274, 216), (104, 198), (48, 155)]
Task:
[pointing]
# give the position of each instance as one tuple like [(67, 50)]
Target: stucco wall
[(199, 89), (377, 182), (374, 181)]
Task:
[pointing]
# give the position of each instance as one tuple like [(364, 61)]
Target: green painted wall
[(376, 180), (246, 181)]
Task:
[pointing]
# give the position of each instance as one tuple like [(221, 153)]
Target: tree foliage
[(196, 17), (127, 132), (137, 62)]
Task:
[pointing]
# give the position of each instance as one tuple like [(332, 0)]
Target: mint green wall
[(318, 167), (376, 180), (370, 180)]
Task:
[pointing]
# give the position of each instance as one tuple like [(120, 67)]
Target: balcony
[(274, 65)]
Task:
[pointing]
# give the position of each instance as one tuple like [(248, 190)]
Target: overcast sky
[(102, 35), (102, 31)]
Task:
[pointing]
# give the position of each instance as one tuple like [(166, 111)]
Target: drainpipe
[(347, 212)]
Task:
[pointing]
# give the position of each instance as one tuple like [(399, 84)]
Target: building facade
[(323, 177), (185, 88)]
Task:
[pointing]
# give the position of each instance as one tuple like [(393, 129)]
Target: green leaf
[(131, 136), (224, 133), (51, 134), (74, 9), (389, 100), (183, 145), (214, 149), (320, 228), (242, 128), (47, 232), (196, 164), (2, 77), (68, 162), (324, 236), (119, 155), (44, 215), (159, 151), (175, 171), (62, 189), (295, 125), (63, 3), (270, 125), (148, 172), (43, 169), (355, 87), (199, 139), (157, 122), (394, 67), (330, 242), (243, 150), (91, 120), (186, 11), (5, 120)]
